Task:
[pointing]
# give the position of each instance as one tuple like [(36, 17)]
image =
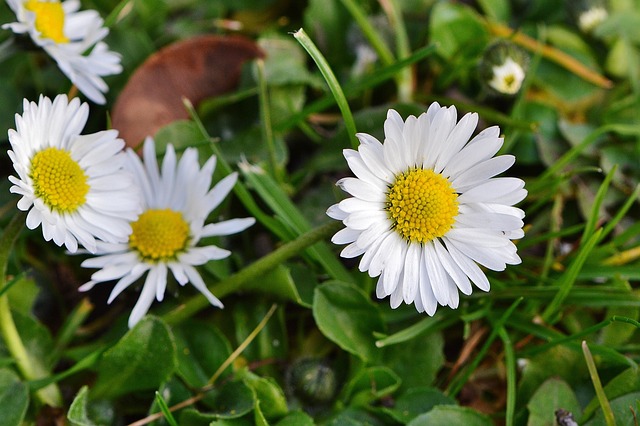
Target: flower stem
[(49, 395), (332, 81), (253, 271)]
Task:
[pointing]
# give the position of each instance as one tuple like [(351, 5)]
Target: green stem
[(253, 271), (369, 31), (332, 81), (10, 335), (510, 361)]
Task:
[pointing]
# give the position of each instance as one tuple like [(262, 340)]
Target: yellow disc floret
[(49, 19), (422, 205), (159, 234), (58, 180)]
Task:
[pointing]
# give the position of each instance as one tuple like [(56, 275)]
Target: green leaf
[(273, 402), (346, 315), (201, 350), (277, 282), (552, 395), (499, 10), (416, 361), (22, 294), (230, 402), (624, 383), (14, 398), (296, 418), (456, 28), (447, 415), (623, 410), (78, 414), (417, 401), (142, 359), (371, 384)]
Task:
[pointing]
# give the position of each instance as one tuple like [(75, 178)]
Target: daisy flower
[(426, 208), (508, 77), (73, 185), (67, 35), (177, 201)]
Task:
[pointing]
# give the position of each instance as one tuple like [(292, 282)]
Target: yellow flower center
[(159, 234), (422, 205), (49, 19), (58, 180)]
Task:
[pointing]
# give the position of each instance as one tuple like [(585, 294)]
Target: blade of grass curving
[(588, 296), (265, 120), (164, 409), (273, 195), (115, 13), (70, 326), (569, 278), (458, 382), (597, 385), (332, 81), (510, 361), (592, 221)]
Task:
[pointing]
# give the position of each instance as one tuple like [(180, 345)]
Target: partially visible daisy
[(67, 35), (73, 185), (503, 67), (426, 208), (592, 17), (177, 201)]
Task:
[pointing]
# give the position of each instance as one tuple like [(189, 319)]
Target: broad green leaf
[(416, 361), (447, 415), (354, 417), (14, 398), (273, 403), (371, 384), (201, 349), (143, 358), (181, 134), (296, 418), (193, 417), (499, 10), (346, 315), (417, 401), (552, 395), (286, 63)]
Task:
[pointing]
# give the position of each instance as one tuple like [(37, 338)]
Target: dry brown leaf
[(198, 68)]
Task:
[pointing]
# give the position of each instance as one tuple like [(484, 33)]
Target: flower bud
[(503, 68), (588, 14), (311, 381)]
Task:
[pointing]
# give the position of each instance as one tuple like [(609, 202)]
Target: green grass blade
[(165, 410)]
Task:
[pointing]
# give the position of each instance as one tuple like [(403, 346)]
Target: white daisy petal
[(426, 208), (163, 238), (73, 42)]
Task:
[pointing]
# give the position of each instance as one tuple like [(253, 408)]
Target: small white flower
[(507, 77), (67, 35), (73, 185), (426, 208), (177, 201), (591, 18)]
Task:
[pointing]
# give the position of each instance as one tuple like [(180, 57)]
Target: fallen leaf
[(198, 68)]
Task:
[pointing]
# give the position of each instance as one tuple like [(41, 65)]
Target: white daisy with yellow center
[(426, 208), (73, 185), (165, 236), (508, 77), (67, 34), (591, 18)]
